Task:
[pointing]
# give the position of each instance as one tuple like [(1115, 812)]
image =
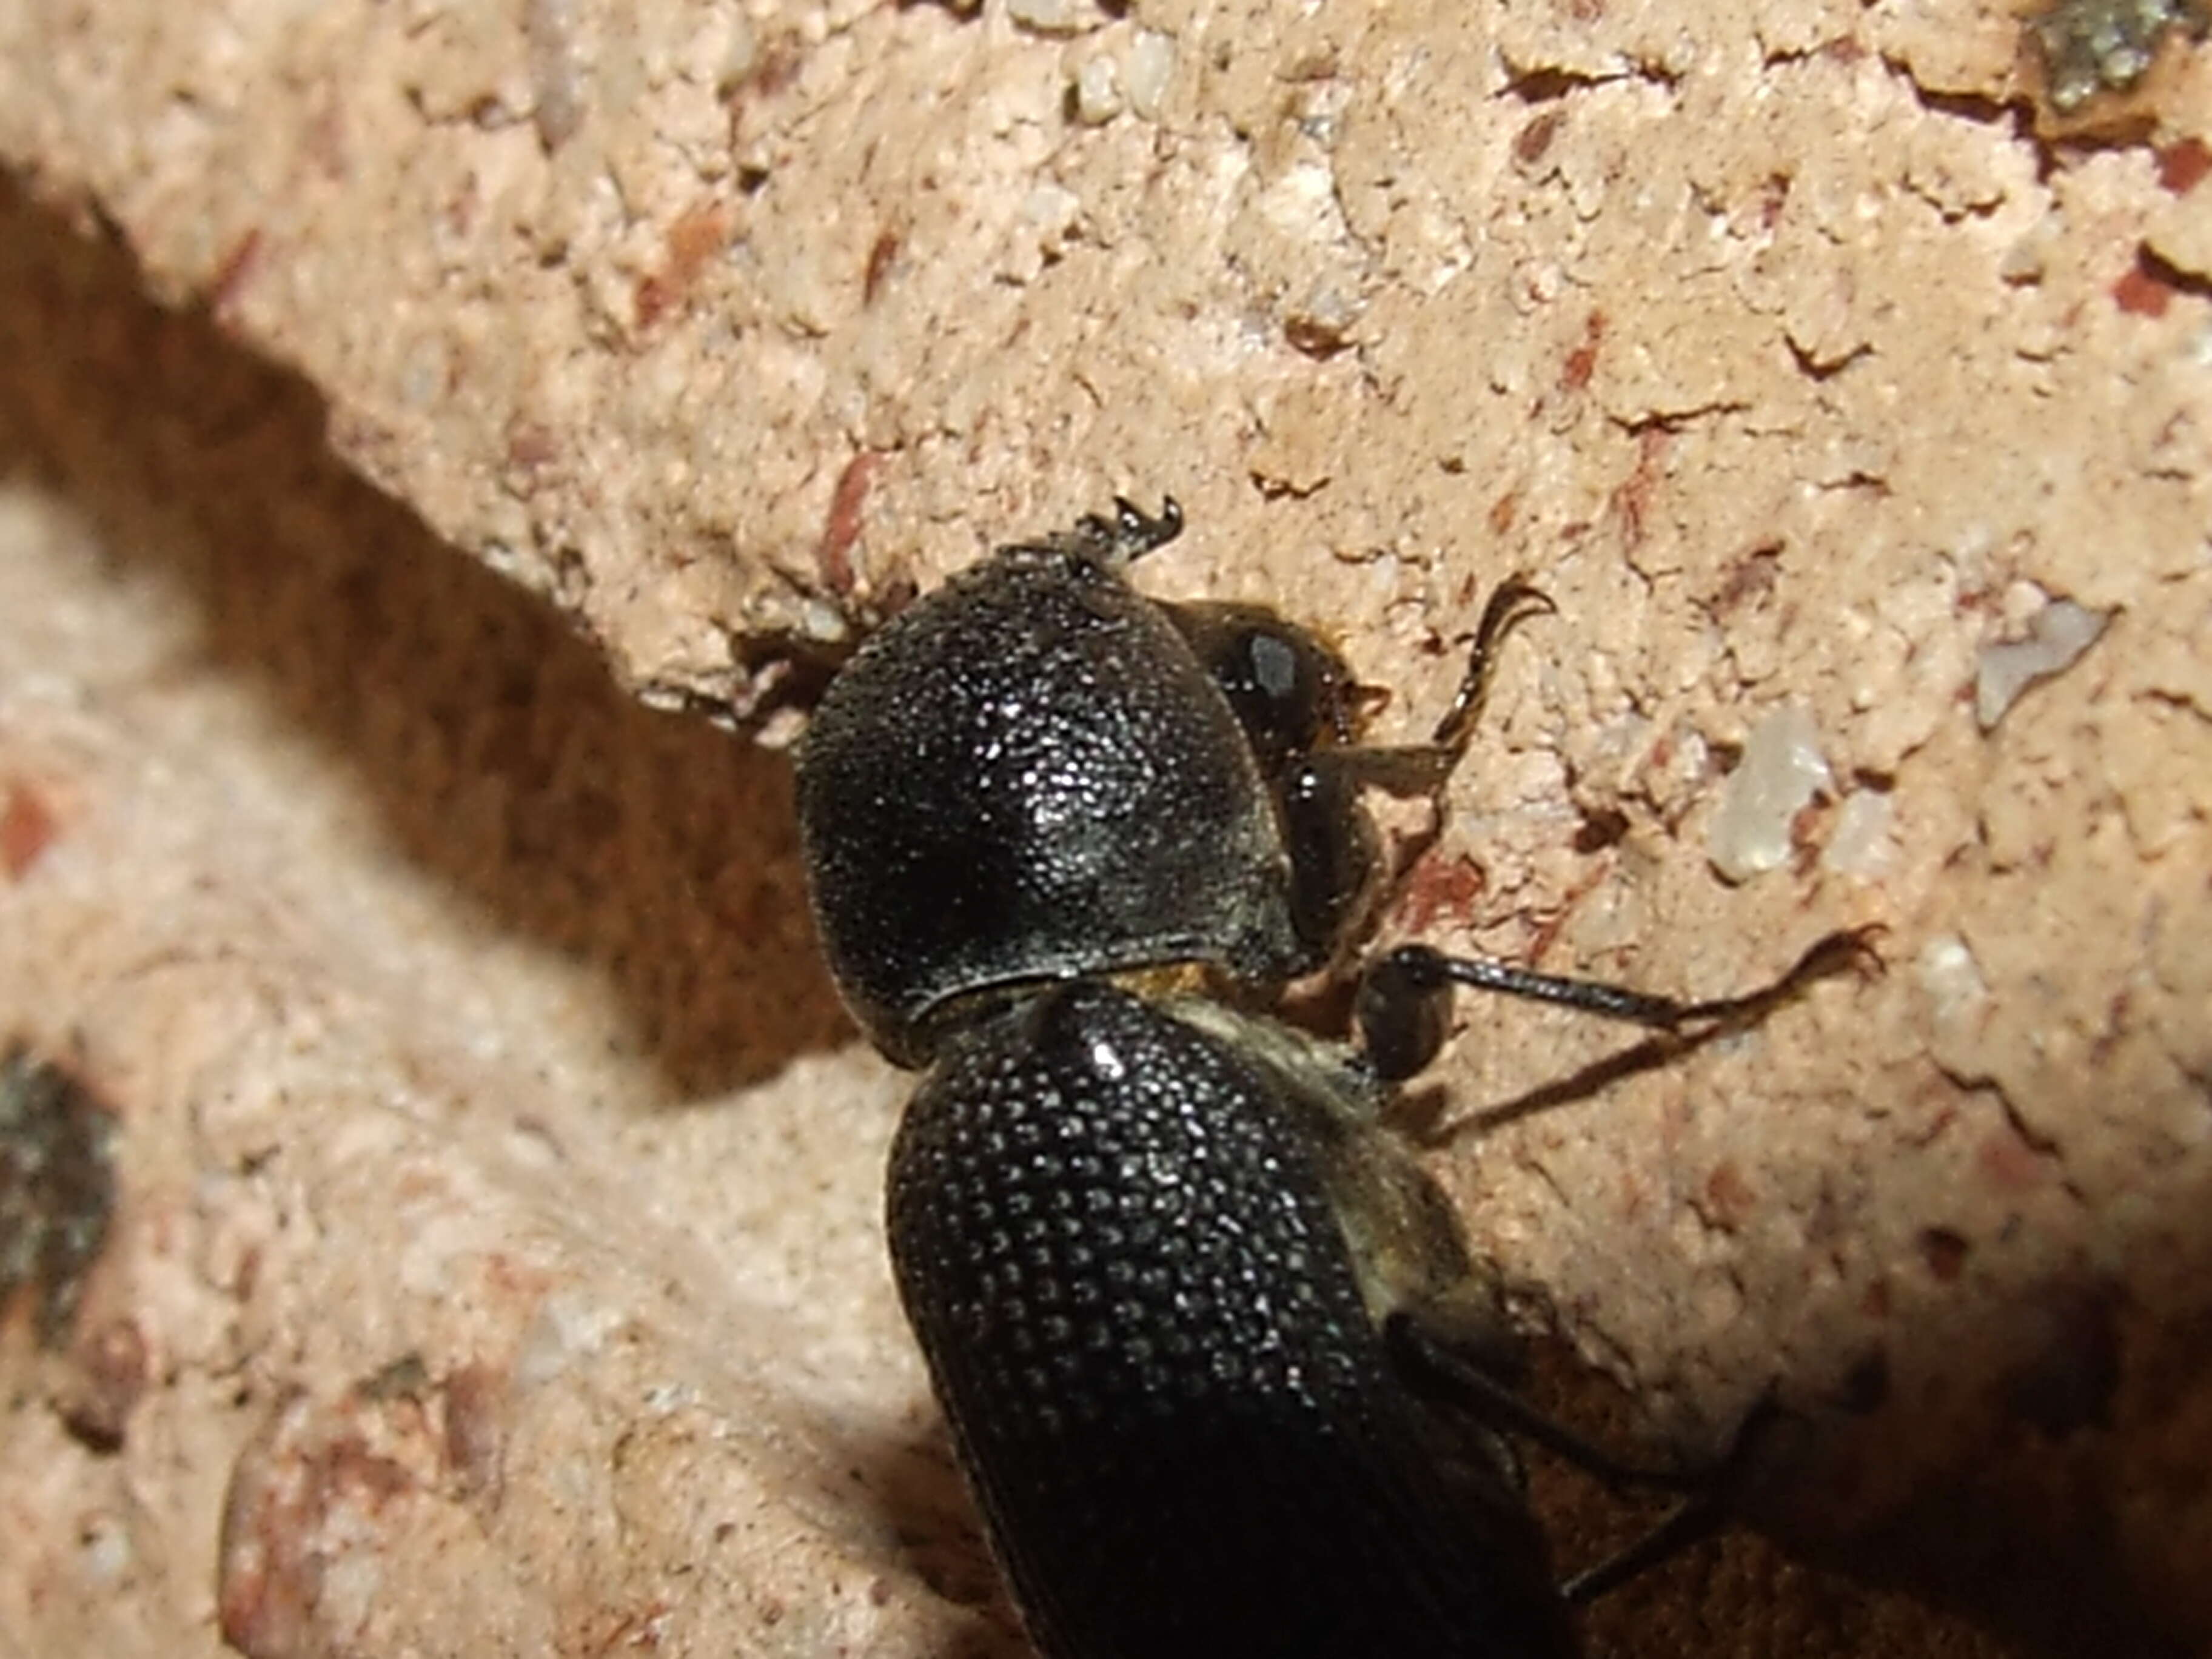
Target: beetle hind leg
[(1436, 1366)]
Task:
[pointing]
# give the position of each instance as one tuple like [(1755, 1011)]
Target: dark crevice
[(1817, 369), (1552, 83), (1677, 420), (1549, 85), (2169, 275)]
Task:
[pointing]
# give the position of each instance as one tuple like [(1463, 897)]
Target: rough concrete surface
[(494, 1265)]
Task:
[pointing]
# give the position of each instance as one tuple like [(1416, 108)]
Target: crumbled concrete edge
[(429, 1306)]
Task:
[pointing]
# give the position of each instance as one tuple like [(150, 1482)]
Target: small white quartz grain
[(1781, 771), (1861, 843), (548, 31), (1098, 91), (1951, 978), (1053, 16), (2057, 635), (740, 54), (1147, 71)]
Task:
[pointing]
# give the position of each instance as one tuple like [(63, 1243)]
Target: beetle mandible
[(1218, 1365)]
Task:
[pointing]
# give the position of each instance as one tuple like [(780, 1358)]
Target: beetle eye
[(1280, 692), (1274, 664)]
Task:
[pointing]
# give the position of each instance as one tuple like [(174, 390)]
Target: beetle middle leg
[(1403, 1004)]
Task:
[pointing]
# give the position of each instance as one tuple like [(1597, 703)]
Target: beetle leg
[(1438, 1368), (1130, 534), (1423, 769), (1689, 1522), (1704, 1512), (1513, 602), (1402, 1005)]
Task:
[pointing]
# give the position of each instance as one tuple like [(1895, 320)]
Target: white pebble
[(1052, 16), (1146, 71), (1781, 771), (2057, 635), (1098, 91), (1861, 843)]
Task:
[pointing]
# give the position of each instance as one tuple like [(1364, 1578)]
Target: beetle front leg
[(1127, 537)]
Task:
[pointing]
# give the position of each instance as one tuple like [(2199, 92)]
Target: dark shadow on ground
[(490, 740)]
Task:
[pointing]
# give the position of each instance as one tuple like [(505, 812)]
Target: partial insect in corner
[(57, 1189), (1218, 1365)]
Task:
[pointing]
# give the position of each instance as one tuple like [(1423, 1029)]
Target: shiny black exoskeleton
[(1029, 777), (1215, 1358)]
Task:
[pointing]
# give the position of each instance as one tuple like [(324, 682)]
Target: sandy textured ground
[(493, 1264)]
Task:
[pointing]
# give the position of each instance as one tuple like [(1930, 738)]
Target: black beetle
[(1216, 1360)]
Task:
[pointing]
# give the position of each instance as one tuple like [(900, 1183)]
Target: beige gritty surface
[(497, 1269), (459, 1307), (456, 1008)]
